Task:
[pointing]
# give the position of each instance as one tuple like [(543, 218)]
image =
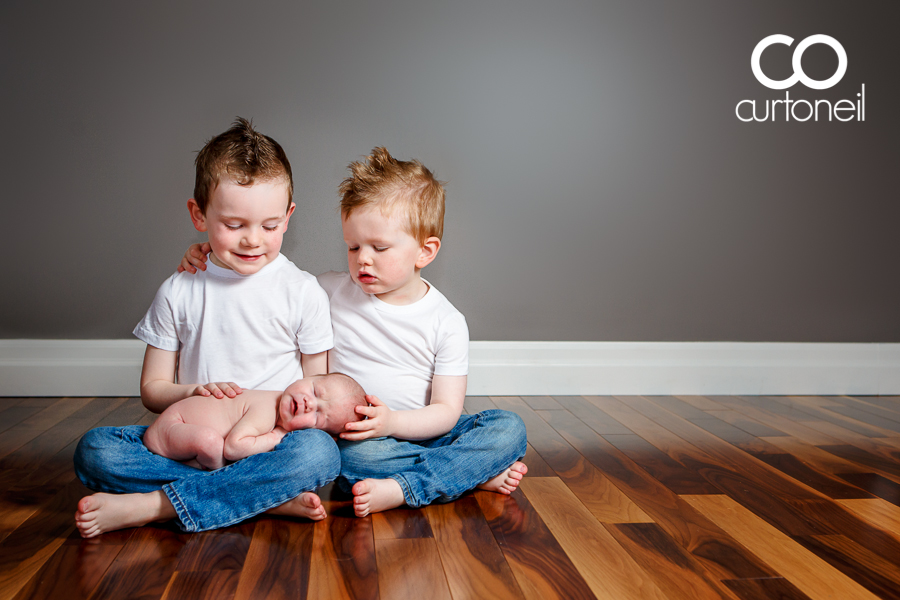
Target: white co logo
[(799, 75)]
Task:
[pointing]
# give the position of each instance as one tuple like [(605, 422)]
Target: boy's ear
[(429, 252), (197, 216), (290, 211)]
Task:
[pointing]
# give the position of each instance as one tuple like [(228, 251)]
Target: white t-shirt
[(249, 329), (395, 351)]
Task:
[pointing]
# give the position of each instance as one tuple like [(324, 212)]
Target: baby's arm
[(158, 387), (255, 433), (447, 396)]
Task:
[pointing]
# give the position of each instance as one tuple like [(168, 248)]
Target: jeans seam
[(187, 523), (405, 488)]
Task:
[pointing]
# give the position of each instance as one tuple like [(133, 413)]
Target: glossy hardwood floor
[(626, 497)]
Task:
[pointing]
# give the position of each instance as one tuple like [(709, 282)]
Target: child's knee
[(312, 446), (509, 427)]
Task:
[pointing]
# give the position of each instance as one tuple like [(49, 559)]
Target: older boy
[(403, 341), (213, 432), (252, 318)]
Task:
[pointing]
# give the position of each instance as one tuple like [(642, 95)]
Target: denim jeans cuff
[(184, 518), (411, 500)]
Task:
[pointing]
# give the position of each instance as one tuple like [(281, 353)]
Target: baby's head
[(392, 216), (242, 198), (326, 402)]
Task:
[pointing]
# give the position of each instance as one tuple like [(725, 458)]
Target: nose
[(251, 238), (364, 257)]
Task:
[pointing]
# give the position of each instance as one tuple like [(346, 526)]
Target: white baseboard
[(112, 368)]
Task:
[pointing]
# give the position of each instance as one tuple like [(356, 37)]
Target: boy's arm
[(254, 433), (448, 393), (158, 387), (314, 364)]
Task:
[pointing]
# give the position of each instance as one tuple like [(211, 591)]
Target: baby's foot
[(306, 506), (102, 513), (376, 495), (507, 481)]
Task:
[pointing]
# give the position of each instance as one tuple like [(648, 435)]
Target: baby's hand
[(379, 423), (219, 390), (194, 258)]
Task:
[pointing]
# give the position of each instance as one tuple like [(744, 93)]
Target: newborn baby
[(210, 432)]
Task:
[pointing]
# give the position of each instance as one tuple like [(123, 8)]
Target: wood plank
[(661, 466), (875, 484), (816, 457), (35, 425), (541, 402), (73, 571), (746, 467), (751, 426), (476, 404), (844, 522), (765, 589), (401, 523), (605, 501), (538, 562), (277, 563), (607, 568), (343, 559), (144, 566), (675, 571), (812, 575), (32, 454), (832, 487), (473, 562), (410, 569), (872, 415), (888, 403), (698, 535), (25, 550), (15, 413), (856, 454), (219, 550), (870, 570), (818, 412), (593, 417), (202, 585), (878, 512), (557, 453), (776, 421), (701, 403)]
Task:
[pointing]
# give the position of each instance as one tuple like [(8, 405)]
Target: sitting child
[(211, 431)]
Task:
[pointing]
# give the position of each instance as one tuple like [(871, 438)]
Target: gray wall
[(600, 185)]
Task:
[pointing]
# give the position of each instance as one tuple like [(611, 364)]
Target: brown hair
[(391, 184), (242, 155)]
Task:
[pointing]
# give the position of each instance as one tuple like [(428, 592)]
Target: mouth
[(295, 407), (247, 257), (364, 277)]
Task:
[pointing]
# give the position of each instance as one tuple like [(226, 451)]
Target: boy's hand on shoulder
[(378, 424), (219, 389), (194, 258)]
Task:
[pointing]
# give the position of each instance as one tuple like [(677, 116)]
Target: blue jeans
[(115, 460), (478, 448)]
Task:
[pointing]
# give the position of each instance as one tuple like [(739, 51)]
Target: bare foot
[(101, 513), (507, 481), (376, 495), (307, 506)]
